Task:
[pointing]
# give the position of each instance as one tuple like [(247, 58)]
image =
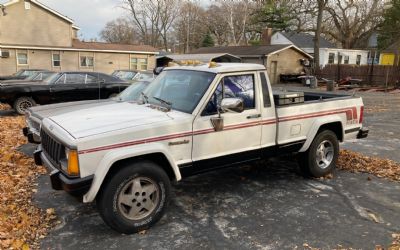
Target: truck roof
[(221, 67)]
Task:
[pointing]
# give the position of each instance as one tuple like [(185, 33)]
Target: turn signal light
[(73, 163)]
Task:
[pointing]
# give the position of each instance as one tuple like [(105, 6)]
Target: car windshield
[(183, 89), (125, 75), (145, 76), (133, 92), (28, 73), (39, 76), (19, 72)]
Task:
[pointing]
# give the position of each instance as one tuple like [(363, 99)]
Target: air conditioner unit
[(4, 54)]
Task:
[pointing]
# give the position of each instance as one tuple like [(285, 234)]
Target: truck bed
[(311, 97)]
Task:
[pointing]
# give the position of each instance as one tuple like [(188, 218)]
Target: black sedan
[(61, 87), (21, 74)]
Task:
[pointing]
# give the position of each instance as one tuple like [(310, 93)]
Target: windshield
[(19, 72), (124, 75), (39, 76), (133, 92), (183, 89)]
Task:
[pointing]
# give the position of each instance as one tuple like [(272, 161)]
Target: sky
[(90, 15)]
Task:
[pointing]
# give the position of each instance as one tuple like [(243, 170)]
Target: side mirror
[(232, 105), (158, 70)]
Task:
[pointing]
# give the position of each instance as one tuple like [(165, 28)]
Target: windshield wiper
[(145, 97), (169, 104)]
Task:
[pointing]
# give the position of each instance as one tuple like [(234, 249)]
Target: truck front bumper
[(363, 133), (59, 181), (33, 137)]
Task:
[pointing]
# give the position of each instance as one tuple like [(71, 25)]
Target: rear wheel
[(22, 104), (135, 197), (320, 159)]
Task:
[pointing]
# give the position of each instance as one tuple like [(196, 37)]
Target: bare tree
[(153, 19), (236, 16), (321, 6), (120, 30), (191, 25), (352, 22)]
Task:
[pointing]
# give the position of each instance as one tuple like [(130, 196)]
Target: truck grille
[(51, 147)]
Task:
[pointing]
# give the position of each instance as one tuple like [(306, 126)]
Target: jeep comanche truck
[(191, 119)]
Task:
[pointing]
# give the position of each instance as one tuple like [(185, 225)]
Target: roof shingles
[(305, 40), (242, 51), (77, 44)]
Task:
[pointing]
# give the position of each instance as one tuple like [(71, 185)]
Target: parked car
[(36, 77), (61, 87), (35, 115), (192, 119), (21, 74), (134, 75)]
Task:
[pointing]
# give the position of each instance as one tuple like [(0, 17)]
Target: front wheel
[(135, 197), (320, 159)]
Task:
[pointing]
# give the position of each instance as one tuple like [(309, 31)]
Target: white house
[(328, 53)]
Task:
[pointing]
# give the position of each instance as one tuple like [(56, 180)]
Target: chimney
[(266, 36)]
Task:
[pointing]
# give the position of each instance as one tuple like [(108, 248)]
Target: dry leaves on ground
[(359, 163), (4, 106), (21, 223)]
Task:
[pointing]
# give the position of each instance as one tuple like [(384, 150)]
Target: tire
[(23, 103), (321, 157), (121, 193)]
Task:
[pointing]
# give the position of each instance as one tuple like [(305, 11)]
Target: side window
[(264, 86), (241, 86), (91, 79), (75, 78), (61, 80)]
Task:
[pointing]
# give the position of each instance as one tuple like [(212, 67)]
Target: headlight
[(72, 162)]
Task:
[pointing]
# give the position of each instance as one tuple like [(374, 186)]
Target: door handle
[(254, 116)]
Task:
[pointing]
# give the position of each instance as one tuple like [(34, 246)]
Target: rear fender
[(316, 126), (113, 156)]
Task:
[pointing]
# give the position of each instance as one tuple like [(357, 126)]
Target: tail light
[(361, 114)]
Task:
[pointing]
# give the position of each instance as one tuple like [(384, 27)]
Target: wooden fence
[(372, 75)]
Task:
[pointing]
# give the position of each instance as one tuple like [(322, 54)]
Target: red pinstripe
[(353, 113)]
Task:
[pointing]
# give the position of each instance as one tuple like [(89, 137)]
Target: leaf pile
[(359, 163), (21, 223), (4, 106)]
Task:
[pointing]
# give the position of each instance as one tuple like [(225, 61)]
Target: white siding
[(352, 54)]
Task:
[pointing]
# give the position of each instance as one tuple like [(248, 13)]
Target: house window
[(143, 63), (346, 59), (134, 63), (139, 63), (22, 58), (87, 61), (358, 60), (331, 58), (56, 58)]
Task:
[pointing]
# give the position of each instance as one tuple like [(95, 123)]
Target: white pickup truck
[(191, 119)]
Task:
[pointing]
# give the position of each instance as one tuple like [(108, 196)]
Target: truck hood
[(46, 111), (107, 118)]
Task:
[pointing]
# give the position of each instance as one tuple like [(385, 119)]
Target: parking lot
[(264, 206)]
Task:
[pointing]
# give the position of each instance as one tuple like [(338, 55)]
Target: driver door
[(240, 139)]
